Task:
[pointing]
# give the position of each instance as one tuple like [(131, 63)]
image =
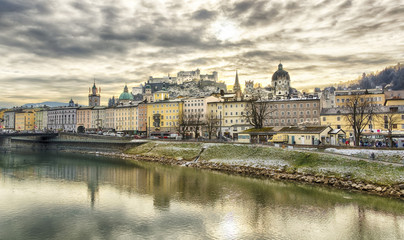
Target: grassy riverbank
[(297, 162)]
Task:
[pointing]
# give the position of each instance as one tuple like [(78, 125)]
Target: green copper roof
[(125, 95)]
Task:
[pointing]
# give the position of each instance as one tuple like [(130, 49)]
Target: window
[(394, 126), (338, 118), (308, 105), (402, 117)]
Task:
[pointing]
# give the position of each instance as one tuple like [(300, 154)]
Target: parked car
[(120, 134), (137, 137)]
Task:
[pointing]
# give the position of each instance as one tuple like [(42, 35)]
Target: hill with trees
[(392, 76)]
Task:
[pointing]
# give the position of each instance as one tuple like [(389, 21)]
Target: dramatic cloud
[(52, 51)]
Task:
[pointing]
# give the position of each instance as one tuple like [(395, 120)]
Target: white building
[(62, 119), (9, 120), (198, 105)]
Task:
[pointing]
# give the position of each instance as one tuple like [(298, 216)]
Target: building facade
[(25, 120), (293, 112), (163, 116), (375, 96), (231, 117), (126, 118), (84, 117), (142, 117), (41, 120), (62, 119)]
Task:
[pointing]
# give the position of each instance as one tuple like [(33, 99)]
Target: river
[(70, 196)]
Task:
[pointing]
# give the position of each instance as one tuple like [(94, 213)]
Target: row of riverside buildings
[(306, 119)]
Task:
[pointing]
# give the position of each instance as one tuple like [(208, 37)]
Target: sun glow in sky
[(51, 51), (226, 30)]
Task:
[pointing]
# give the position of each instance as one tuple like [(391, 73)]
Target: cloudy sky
[(51, 50)]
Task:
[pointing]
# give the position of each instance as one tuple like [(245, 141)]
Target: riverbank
[(262, 161)]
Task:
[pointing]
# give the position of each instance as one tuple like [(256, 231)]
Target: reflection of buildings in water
[(92, 183)]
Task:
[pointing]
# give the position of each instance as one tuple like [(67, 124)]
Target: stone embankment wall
[(68, 142)]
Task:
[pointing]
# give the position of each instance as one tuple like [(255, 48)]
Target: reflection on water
[(64, 196)]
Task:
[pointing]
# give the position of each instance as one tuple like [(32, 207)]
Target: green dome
[(126, 95)]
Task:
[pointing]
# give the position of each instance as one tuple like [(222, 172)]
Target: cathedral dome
[(280, 73), (126, 95)]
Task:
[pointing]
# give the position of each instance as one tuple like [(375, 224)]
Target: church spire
[(236, 86)]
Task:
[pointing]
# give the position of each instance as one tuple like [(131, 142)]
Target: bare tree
[(211, 124), (389, 119), (195, 123), (182, 124), (360, 110), (257, 112)]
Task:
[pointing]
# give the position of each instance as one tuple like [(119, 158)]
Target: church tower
[(237, 89), (281, 83), (148, 97), (94, 97)]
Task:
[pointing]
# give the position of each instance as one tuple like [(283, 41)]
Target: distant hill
[(49, 104), (392, 76)]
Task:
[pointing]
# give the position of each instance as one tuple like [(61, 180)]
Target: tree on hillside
[(393, 75), (360, 111)]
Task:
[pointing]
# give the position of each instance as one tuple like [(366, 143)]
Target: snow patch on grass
[(395, 156), (256, 163)]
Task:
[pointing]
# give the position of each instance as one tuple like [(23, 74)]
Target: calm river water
[(66, 196)]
